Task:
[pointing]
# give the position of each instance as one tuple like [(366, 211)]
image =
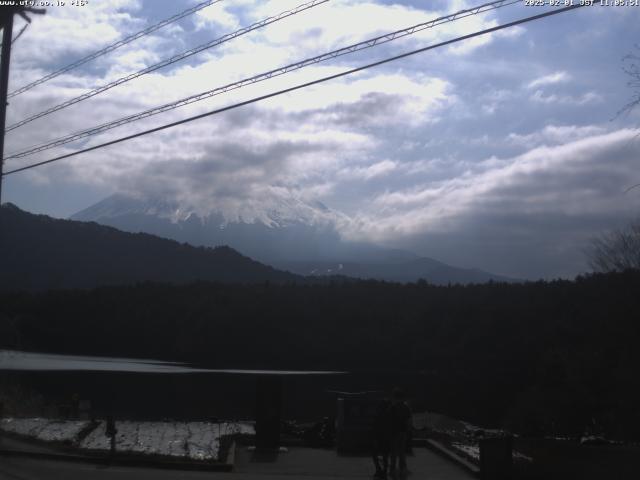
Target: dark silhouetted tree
[(618, 250), (631, 66)]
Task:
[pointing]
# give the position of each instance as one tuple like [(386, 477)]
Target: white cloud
[(217, 15), (369, 172), (578, 178), (554, 135), (65, 33), (551, 79), (555, 99), (413, 146)]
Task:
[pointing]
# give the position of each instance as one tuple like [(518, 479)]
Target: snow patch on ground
[(44, 429), (188, 440), (471, 450), (522, 456), (62, 431)]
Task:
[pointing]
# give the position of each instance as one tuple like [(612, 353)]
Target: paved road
[(312, 464), (32, 469), (10, 443)]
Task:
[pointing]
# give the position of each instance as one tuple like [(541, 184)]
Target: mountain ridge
[(300, 237), (38, 252)]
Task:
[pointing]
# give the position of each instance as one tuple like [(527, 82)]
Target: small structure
[(268, 412), (84, 409), (496, 458), (356, 413)]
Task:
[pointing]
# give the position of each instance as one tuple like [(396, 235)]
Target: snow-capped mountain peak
[(272, 212)]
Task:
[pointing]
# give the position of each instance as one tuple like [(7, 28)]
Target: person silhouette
[(382, 438), (401, 424), (111, 431)]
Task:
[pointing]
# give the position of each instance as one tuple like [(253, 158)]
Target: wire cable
[(18, 35), (113, 46), (176, 58), (22, 30), (299, 86), (262, 77)]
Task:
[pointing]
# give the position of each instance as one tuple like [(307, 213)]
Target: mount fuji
[(287, 233)]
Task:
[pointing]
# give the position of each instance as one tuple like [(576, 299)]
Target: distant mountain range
[(403, 271), (287, 233), (38, 252)]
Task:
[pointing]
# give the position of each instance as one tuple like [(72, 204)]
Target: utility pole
[(7, 32), (6, 22)]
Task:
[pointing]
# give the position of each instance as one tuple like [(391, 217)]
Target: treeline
[(540, 358)]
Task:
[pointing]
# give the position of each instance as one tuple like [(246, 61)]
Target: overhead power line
[(300, 86), (171, 60), (22, 30), (263, 76), (22, 10), (7, 15), (18, 35), (113, 46)]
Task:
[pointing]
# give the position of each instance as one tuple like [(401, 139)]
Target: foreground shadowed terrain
[(541, 358)]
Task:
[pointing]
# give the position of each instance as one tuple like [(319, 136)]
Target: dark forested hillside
[(38, 253), (544, 357)]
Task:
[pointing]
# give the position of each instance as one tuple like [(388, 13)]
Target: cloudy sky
[(505, 152)]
